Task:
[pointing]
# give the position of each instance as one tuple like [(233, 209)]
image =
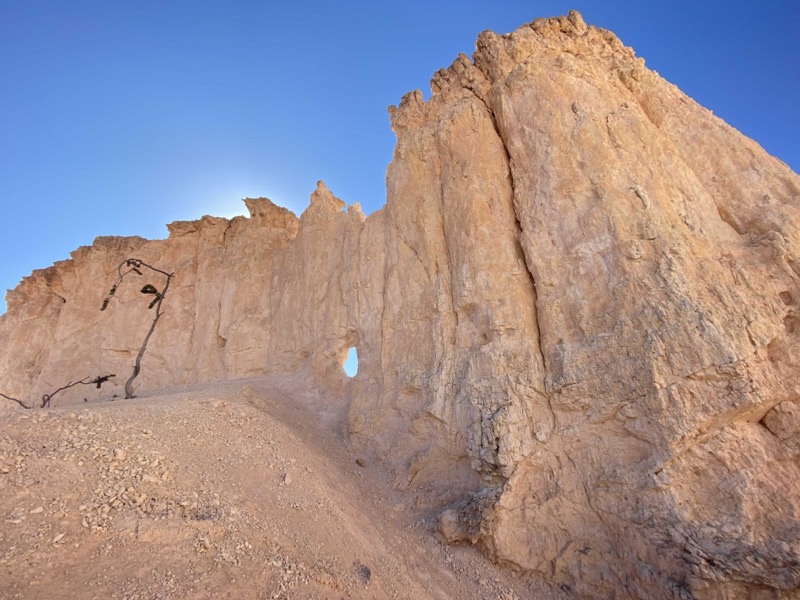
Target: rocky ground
[(234, 490)]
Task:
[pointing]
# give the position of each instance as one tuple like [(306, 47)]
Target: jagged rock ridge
[(576, 319)]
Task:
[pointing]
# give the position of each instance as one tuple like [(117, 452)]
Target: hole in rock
[(350, 365)]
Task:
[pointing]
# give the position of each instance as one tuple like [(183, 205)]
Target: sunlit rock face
[(576, 320)]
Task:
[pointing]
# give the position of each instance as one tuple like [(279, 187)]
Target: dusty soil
[(239, 490)]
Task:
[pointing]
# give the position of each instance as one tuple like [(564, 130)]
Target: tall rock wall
[(576, 316)]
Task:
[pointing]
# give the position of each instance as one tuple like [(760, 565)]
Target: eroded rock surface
[(576, 318)]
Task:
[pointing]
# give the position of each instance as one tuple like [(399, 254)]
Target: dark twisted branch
[(46, 398), (20, 402), (97, 381), (135, 265)]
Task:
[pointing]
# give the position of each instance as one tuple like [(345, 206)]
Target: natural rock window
[(350, 365)]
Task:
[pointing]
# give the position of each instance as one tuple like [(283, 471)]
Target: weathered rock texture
[(577, 319)]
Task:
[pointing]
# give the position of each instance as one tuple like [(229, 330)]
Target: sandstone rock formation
[(576, 317)]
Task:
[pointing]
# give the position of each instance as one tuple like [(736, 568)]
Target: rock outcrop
[(576, 317)]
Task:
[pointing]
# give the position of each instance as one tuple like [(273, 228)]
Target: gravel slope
[(234, 490)]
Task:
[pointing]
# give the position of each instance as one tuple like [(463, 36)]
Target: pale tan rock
[(576, 319), (783, 421)]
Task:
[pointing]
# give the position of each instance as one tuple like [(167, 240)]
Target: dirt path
[(239, 490)]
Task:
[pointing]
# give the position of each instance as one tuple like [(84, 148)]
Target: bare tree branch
[(20, 402), (135, 265), (46, 398), (98, 381)]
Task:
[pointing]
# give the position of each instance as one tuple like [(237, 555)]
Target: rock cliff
[(576, 317)]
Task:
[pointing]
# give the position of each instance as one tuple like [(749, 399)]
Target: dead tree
[(46, 398), (135, 266)]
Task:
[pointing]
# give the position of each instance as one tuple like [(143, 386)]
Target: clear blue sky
[(119, 117)]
